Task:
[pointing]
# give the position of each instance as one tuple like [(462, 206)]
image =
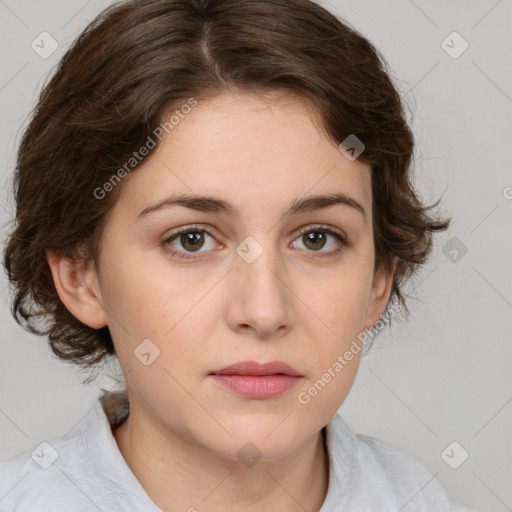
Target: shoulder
[(404, 474), (47, 476), (408, 476), (82, 470), (382, 476)]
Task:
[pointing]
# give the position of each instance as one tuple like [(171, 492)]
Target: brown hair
[(139, 59)]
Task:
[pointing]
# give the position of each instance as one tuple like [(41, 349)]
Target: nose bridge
[(259, 263), (260, 281)]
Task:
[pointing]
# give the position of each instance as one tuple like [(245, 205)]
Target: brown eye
[(189, 240), (314, 240), (317, 239)]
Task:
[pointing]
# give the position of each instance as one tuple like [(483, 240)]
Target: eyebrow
[(210, 204)]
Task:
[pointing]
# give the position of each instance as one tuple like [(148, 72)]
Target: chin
[(260, 440)]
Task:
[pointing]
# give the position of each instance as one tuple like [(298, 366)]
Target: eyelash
[(310, 229)]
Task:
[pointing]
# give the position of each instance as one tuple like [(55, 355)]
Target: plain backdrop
[(443, 376)]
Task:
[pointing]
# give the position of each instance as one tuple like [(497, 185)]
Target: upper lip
[(255, 368)]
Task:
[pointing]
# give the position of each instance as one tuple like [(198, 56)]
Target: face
[(249, 282)]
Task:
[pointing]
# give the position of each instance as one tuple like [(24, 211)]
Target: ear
[(379, 297), (77, 284)]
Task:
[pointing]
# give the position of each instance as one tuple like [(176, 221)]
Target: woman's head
[(243, 101)]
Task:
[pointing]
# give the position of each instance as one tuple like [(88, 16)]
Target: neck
[(178, 474)]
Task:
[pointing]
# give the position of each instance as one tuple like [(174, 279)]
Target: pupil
[(192, 238), (310, 237)]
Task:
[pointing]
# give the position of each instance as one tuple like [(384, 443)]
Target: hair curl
[(137, 60)]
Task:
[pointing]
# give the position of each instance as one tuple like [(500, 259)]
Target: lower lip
[(257, 386)]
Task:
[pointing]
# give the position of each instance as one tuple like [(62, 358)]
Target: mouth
[(255, 380), (257, 369)]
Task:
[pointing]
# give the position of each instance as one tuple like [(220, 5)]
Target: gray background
[(445, 375)]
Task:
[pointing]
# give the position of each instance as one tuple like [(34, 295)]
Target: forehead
[(250, 149)]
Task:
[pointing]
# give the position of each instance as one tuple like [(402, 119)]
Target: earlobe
[(381, 291), (78, 288)]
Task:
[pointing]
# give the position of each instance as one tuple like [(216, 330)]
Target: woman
[(217, 194)]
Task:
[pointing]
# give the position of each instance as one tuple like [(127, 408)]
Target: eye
[(191, 239), (315, 238)]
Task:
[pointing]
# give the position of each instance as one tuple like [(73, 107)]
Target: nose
[(261, 299)]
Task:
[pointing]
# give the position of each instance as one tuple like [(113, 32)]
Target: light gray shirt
[(85, 471)]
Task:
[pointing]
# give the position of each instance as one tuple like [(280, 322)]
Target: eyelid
[(341, 238), (323, 227), (191, 228), (211, 232)]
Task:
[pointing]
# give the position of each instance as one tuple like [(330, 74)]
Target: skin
[(183, 432)]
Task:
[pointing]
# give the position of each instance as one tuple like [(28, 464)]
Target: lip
[(257, 380), (255, 368)]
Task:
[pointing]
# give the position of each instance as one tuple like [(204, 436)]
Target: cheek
[(173, 311), (142, 296), (341, 303)]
